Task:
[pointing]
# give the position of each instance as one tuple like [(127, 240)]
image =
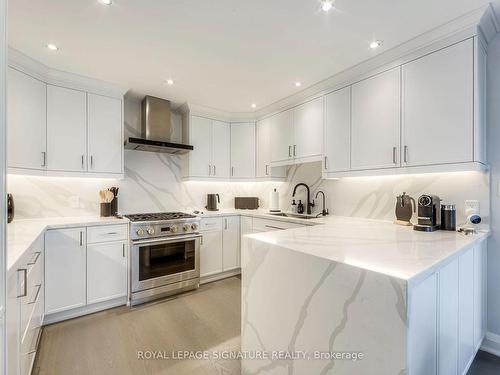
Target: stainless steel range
[(165, 255)]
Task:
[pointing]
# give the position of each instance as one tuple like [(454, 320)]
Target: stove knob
[(151, 231), (186, 227), (140, 232), (173, 229), (194, 226)]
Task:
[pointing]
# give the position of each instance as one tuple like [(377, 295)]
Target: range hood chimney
[(156, 129)]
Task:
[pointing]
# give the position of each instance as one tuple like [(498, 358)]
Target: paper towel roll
[(274, 201)]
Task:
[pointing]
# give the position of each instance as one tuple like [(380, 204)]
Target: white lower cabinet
[(106, 271), (211, 248), (446, 316), (231, 243), (65, 263), (25, 309)]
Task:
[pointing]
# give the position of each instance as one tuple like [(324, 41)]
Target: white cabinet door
[(376, 121), (243, 150), (448, 319), (66, 129), (422, 335), (466, 310), (438, 107), (338, 131), (308, 129), (200, 135), (479, 293), (211, 253), (65, 263), (263, 149), (221, 148), (105, 134), (26, 120), (231, 243), (282, 136), (106, 271), (13, 315)]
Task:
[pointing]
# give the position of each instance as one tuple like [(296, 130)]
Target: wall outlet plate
[(471, 207)]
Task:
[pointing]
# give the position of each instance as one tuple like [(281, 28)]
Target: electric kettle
[(405, 207), (212, 200)]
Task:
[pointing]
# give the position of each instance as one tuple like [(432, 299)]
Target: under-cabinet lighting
[(298, 84), (375, 44), (106, 2), (169, 81), (327, 5), (254, 105), (52, 47)]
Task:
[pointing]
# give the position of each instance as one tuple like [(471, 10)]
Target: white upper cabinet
[(26, 118), (337, 131), (66, 129), (263, 152), (221, 148), (105, 134), (282, 136), (200, 137), (438, 110), (376, 121), (308, 130), (243, 150)]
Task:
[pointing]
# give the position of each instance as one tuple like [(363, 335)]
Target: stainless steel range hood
[(156, 129)]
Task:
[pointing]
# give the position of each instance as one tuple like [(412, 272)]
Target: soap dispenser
[(300, 207), (294, 206)]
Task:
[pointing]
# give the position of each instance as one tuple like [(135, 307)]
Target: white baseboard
[(220, 276), (491, 344), (80, 311)]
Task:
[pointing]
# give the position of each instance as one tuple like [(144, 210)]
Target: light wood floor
[(108, 342)]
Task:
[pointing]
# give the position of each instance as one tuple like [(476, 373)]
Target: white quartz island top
[(22, 233), (374, 245)]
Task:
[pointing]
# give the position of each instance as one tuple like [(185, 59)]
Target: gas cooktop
[(159, 216)]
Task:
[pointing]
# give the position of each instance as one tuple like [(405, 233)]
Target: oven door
[(163, 261)]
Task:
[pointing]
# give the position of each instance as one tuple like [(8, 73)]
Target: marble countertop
[(261, 213), (22, 233), (374, 245)]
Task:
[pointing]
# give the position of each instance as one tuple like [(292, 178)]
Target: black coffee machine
[(429, 213)]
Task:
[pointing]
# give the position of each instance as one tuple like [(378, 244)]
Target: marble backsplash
[(153, 183)]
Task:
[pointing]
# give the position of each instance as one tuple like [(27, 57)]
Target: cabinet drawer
[(212, 223), (107, 233), (266, 225), (29, 343)]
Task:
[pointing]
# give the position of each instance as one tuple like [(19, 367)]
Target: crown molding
[(34, 68), (489, 24)]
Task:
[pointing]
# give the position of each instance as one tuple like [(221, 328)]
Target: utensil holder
[(114, 206), (105, 209)]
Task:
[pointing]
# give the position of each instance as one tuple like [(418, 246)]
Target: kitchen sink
[(294, 216)]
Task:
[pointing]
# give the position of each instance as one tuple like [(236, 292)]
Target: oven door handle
[(166, 240)]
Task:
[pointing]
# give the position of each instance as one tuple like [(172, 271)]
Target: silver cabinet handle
[(215, 170), (325, 158), (44, 159), (225, 223), (35, 258), (232, 171), (91, 161), (83, 162), (123, 250), (294, 150), (81, 238), (25, 292), (405, 154), (289, 151), (267, 169), (111, 233), (394, 156), (270, 226), (209, 170), (39, 286)]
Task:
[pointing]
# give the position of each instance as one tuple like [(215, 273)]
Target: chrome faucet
[(324, 212), (309, 204)]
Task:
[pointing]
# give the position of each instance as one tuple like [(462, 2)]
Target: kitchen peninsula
[(397, 300)]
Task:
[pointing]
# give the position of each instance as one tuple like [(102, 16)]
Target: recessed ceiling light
[(169, 81), (375, 44), (254, 105), (106, 2), (326, 5), (298, 84), (52, 47)]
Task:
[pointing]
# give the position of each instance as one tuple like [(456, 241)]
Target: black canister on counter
[(448, 217)]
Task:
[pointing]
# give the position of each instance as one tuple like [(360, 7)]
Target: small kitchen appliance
[(10, 208), (429, 213), (164, 255), (448, 217), (246, 203), (212, 200), (405, 207)]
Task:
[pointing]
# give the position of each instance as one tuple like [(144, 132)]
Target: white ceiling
[(224, 54)]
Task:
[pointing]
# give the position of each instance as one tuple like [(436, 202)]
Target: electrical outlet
[(471, 207), (74, 201)]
